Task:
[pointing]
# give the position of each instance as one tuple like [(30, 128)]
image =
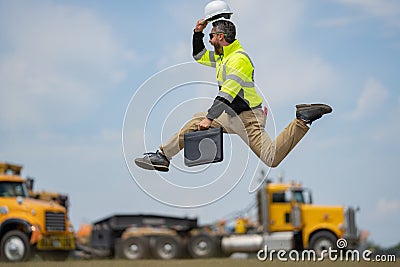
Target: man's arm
[(198, 44), (219, 105), (198, 35), (200, 52)]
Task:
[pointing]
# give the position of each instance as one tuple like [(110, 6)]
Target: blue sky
[(70, 69)]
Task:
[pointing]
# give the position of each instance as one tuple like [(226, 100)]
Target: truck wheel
[(203, 246), (167, 247), (15, 246), (133, 248), (322, 240)]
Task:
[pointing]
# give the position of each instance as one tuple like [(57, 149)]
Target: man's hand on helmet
[(200, 25)]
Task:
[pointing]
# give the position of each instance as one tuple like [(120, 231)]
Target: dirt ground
[(193, 263)]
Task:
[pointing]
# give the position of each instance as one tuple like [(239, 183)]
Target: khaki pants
[(249, 125)]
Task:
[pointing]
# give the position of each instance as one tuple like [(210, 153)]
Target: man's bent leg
[(251, 130), (288, 139), (271, 153)]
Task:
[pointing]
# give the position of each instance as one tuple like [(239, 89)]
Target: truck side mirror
[(310, 200), (29, 183)]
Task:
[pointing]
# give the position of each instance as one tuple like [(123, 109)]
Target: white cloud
[(386, 10), (386, 130), (57, 62), (179, 53), (267, 20), (384, 212), (371, 99), (336, 22), (388, 207), (285, 71)]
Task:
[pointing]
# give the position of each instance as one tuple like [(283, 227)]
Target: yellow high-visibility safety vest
[(234, 71)]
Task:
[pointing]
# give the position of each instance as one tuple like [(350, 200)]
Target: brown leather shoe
[(311, 112)]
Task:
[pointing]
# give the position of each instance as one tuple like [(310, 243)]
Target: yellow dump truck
[(29, 226)]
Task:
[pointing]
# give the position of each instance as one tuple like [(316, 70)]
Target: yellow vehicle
[(29, 226), (56, 197), (286, 220), (288, 208)]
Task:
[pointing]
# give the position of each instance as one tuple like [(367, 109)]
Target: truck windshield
[(13, 189), (302, 196), (298, 196)]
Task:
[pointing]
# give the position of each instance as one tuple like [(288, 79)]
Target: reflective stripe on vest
[(211, 58), (235, 77)]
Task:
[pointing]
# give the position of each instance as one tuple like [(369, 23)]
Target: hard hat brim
[(218, 16)]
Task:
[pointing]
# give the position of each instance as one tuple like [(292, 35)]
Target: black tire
[(203, 246), (322, 240), (15, 247), (133, 248), (167, 247)]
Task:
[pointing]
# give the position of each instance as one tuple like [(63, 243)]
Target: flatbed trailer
[(110, 236)]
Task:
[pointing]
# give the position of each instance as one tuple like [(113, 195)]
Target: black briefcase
[(202, 147)]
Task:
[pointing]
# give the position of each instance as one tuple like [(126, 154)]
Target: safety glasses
[(212, 34)]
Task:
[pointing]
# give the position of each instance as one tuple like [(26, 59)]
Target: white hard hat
[(217, 9)]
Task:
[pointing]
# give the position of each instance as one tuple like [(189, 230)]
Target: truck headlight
[(36, 227), (3, 210)]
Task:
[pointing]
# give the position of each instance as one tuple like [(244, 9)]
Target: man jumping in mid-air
[(237, 108)]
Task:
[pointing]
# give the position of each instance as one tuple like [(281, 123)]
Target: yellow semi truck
[(287, 208), (29, 226), (286, 220)]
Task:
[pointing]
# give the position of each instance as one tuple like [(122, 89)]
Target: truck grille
[(55, 221)]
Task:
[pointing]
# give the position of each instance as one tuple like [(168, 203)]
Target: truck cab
[(29, 225), (289, 208)]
